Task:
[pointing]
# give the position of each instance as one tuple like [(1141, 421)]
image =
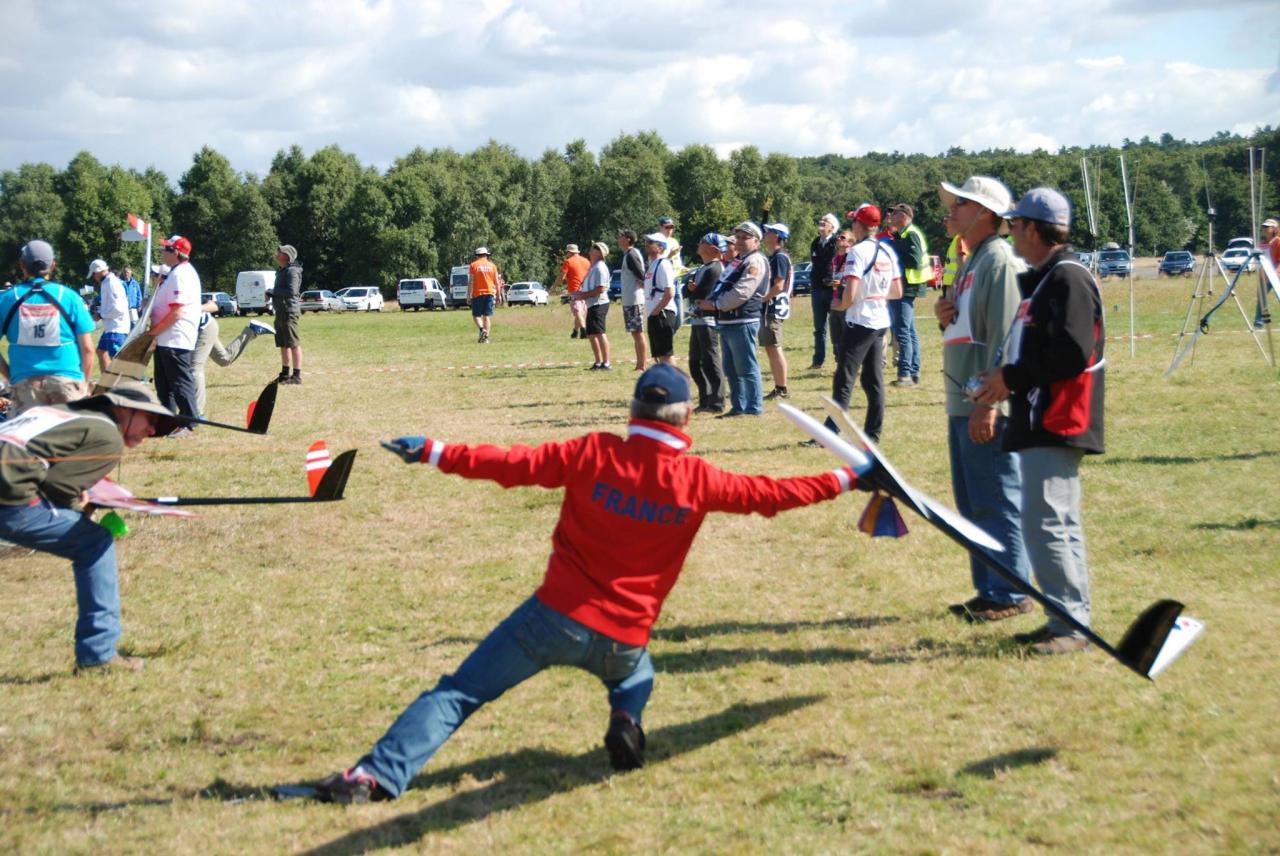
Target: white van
[(460, 286), (418, 293), (251, 291)]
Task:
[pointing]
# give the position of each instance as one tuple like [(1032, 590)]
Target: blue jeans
[(1053, 529), (902, 319), (529, 640), (742, 367), (71, 535), (988, 490), (820, 300)]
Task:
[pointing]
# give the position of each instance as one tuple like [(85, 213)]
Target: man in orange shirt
[(484, 290), (572, 273)]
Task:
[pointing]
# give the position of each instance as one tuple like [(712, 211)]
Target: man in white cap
[(1055, 383), (777, 304), (738, 300), (484, 291), (48, 327), (594, 295), (48, 457), (572, 273), (976, 316), (113, 309)]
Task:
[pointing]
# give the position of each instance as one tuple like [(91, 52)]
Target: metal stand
[(1204, 290)]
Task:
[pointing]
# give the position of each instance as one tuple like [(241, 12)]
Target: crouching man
[(632, 506), (48, 457)]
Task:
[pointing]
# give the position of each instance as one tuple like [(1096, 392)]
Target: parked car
[(321, 300), (361, 298), (1246, 242), (423, 292), (1085, 259), (1238, 257), (529, 293), (253, 291), (1115, 263), (1177, 263), (226, 303), (802, 278), (615, 285)]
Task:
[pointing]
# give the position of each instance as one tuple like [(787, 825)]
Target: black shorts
[(662, 332), (596, 316), (287, 331)]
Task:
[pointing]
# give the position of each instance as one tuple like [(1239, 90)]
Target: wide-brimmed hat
[(988, 192), (602, 247), (136, 395), (483, 251)]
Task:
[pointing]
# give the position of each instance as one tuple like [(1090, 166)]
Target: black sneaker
[(778, 392), (606, 367), (293, 379), (573, 335), (350, 787), (625, 742)]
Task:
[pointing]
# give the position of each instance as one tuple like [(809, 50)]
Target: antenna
[(1128, 210)]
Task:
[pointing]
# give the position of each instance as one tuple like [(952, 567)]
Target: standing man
[(913, 254), (659, 299), (48, 457), (1055, 382), (977, 316), (871, 277), (633, 266), (667, 228), (704, 339), (594, 294), (286, 300), (133, 294), (822, 253), (777, 304), (48, 327), (174, 316), (611, 567), (738, 301), (572, 273), (484, 288), (113, 309)]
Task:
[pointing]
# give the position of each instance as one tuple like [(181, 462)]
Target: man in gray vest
[(738, 301)]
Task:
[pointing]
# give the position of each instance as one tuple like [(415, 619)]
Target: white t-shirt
[(596, 277), (658, 279), (113, 305), (875, 266), (181, 287)]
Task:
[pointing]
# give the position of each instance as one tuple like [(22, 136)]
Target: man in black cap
[(286, 300), (631, 509), (49, 457)]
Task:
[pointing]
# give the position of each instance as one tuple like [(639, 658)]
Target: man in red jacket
[(632, 506)]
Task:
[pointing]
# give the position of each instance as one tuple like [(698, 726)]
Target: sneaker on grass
[(261, 327), (350, 787), (625, 742)]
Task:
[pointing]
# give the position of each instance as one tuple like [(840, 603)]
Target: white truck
[(419, 293), (460, 286), (252, 287)]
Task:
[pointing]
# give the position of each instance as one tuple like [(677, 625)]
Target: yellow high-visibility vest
[(922, 274), (952, 263)]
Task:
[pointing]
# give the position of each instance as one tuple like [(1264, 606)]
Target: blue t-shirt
[(35, 349)]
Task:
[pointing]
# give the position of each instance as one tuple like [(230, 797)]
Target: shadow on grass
[(219, 791), (1240, 525), (31, 680), (1162, 460), (987, 768), (683, 633), (543, 774), (714, 659)]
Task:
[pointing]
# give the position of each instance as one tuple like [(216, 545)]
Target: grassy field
[(812, 695)]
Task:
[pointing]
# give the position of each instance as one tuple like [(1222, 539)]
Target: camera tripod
[(1209, 268)]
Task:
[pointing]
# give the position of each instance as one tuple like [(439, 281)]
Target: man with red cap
[(631, 509), (174, 317), (870, 279)]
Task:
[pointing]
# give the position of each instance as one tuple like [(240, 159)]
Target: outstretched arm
[(548, 465)]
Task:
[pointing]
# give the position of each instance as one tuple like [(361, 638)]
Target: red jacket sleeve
[(548, 465), (741, 494)]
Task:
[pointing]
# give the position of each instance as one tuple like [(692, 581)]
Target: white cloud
[(379, 77)]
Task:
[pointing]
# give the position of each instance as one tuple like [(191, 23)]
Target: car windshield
[(311, 295), (1177, 257), (1115, 256), (411, 286)]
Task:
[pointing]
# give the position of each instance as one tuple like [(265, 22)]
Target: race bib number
[(780, 308), (22, 429), (39, 325), (960, 331), (1014, 350)]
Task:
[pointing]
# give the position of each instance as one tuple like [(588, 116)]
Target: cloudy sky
[(149, 84)]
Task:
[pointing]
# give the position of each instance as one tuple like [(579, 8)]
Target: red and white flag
[(137, 224)]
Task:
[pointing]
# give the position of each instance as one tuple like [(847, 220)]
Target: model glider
[(257, 418), (1153, 641), (327, 482)]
